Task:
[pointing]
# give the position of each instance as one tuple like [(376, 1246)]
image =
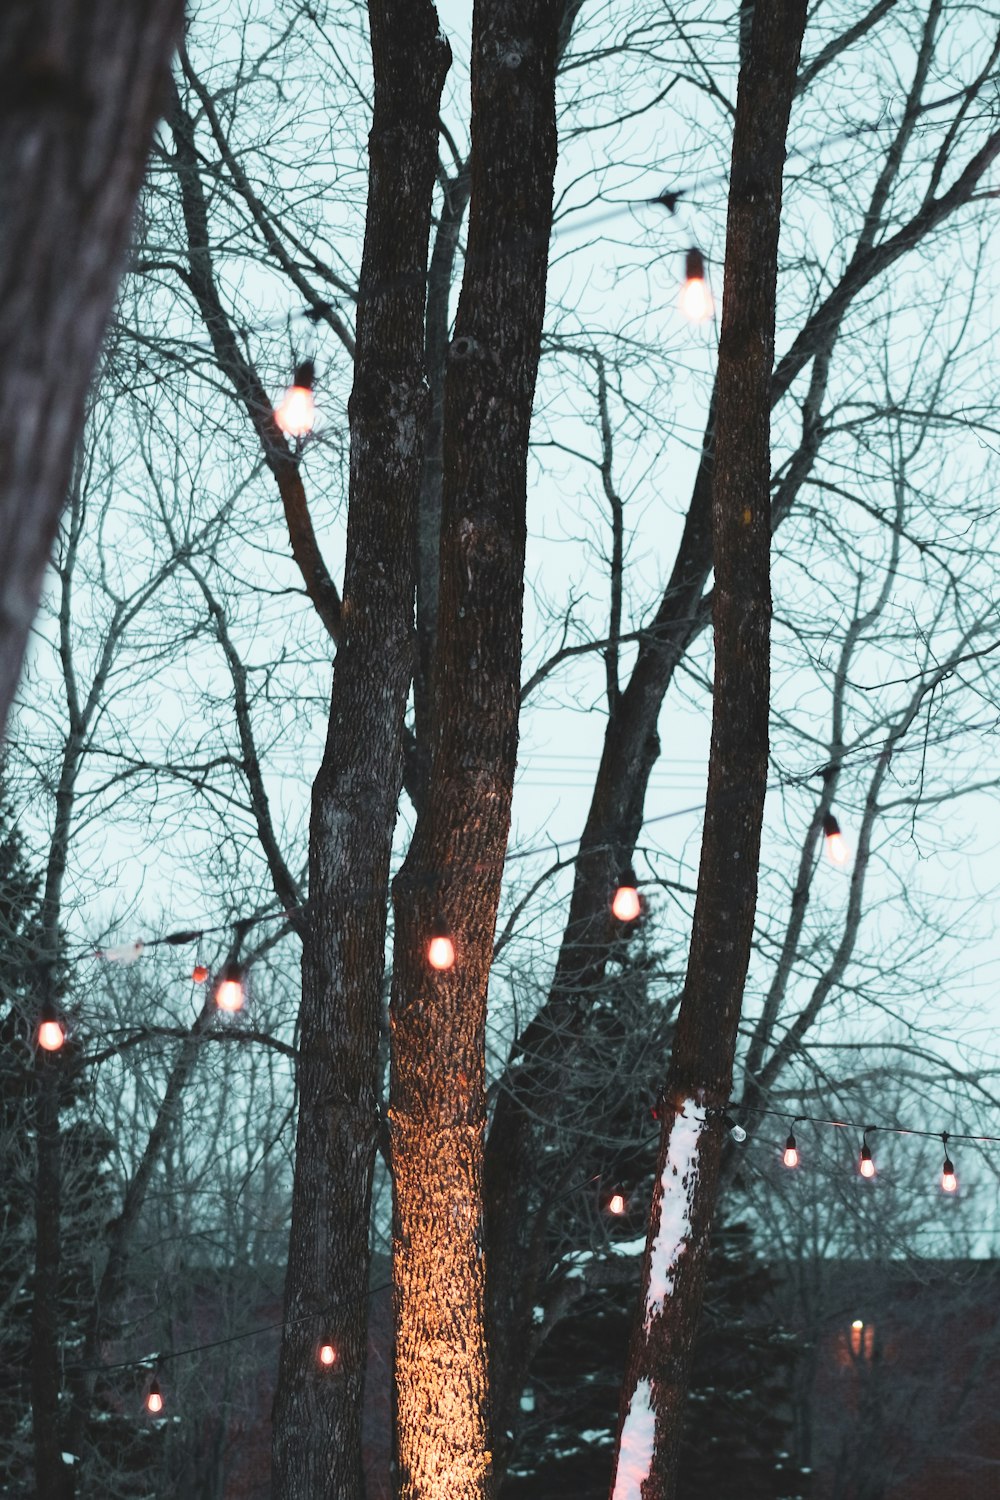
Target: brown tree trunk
[(455, 864), (317, 1410), (82, 83), (701, 1066)]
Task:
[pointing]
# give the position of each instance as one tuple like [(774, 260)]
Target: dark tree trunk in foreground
[(82, 83), (317, 1411), (455, 864), (701, 1066)]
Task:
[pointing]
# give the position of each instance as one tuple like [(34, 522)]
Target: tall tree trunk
[(82, 83), (53, 1478), (455, 864), (317, 1410), (701, 1065)]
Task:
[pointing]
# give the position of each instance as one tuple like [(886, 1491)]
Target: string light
[(441, 947), (154, 1398), (736, 1130), (626, 905), (327, 1355), (790, 1155), (617, 1203), (51, 1031), (199, 973), (837, 851), (230, 993), (865, 1164), (949, 1182), (695, 300), (296, 411)]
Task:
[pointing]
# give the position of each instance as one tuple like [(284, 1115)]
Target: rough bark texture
[(317, 1411), (82, 83), (454, 868), (700, 1074)]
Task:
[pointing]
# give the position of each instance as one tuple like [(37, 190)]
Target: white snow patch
[(635, 1455), (680, 1177)]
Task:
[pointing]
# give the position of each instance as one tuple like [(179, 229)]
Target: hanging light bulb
[(327, 1355), (199, 973), (837, 851), (865, 1164), (736, 1130), (695, 300), (296, 411), (626, 904), (790, 1156), (51, 1031), (617, 1203), (154, 1398), (441, 946), (949, 1182), (230, 993)]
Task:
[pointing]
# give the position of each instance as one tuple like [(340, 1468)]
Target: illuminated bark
[(700, 1074), (455, 864), (82, 83), (317, 1412)]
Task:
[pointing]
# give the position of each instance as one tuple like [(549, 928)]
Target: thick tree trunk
[(701, 1066), (317, 1410), (82, 83), (53, 1479), (455, 864)]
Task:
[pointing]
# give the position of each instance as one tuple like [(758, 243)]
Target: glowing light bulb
[(791, 1153), (695, 300), (327, 1355), (949, 1182), (230, 994), (296, 411), (837, 851), (616, 1203), (865, 1165), (441, 946), (51, 1035), (154, 1398), (199, 973), (626, 905), (858, 1324)]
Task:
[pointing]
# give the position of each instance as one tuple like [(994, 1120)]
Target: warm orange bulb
[(154, 1400), (327, 1355), (626, 905), (296, 411), (51, 1036), (199, 974), (616, 1203), (230, 992), (837, 851), (949, 1182), (441, 952), (791, 1157), (695, 300), (866, 1166)]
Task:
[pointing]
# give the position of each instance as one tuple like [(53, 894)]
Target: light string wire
[(733, 1108)]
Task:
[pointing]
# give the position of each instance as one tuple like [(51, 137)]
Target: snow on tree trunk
[(82, 83), (701, 1065), (317, 1411)]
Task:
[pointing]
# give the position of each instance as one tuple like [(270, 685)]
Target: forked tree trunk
[(82, 83), (317, 1410), (455, 864), (701, 1066)]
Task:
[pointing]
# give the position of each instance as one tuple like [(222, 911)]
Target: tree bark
[(699, 1078), (82, 82), (317, 1410), (455, 863)]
